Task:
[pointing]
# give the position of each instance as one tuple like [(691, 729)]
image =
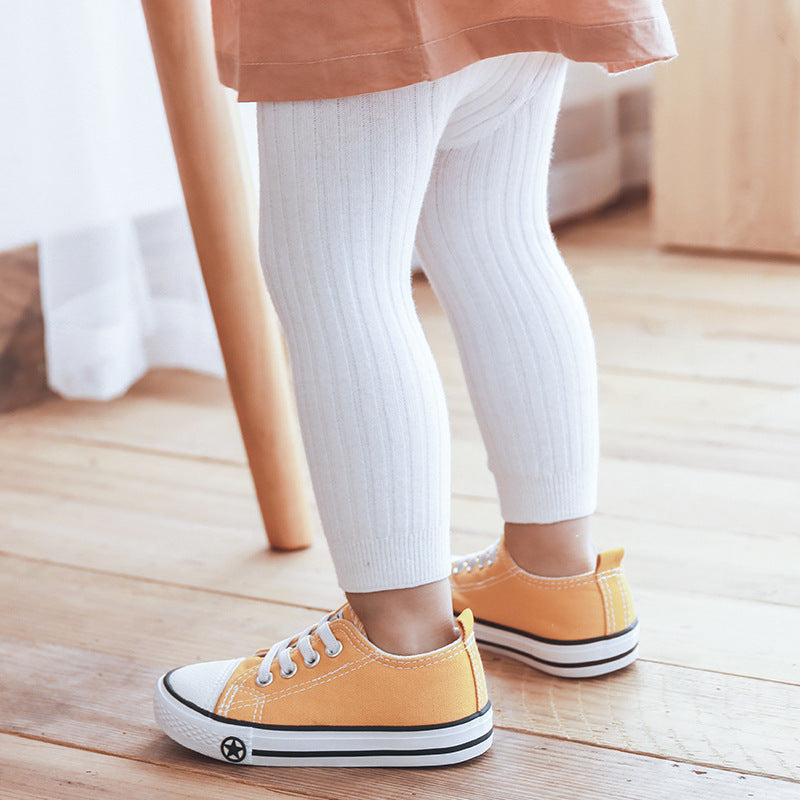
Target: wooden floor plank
[(728, 318), (220, 555), (749, 428), (202, 535), (750, 284), (100, 642), (653, 491), (35, 770), (227, 557), (710, 498), (691, 413), (103, 701), (518, 767), (616, 250), (134, 543), (660, 346), (752, 361), (700, 318)]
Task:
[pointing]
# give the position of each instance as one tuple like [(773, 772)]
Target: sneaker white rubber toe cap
[(202, 684)]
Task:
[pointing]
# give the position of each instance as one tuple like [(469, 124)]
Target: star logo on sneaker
[(233, 749)]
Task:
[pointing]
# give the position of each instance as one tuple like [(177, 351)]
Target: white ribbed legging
[(458, 165)]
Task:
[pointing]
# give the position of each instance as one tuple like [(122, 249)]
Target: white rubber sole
[(586, 658), (282, 746)]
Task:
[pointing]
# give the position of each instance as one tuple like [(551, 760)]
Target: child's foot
[(574, 627), (329, 697)]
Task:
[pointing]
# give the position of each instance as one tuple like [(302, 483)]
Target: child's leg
[(520, 323), (342, 183)]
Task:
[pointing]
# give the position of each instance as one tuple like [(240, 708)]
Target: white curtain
[(88, 173)]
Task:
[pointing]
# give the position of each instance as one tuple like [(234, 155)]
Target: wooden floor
[(131, 543)]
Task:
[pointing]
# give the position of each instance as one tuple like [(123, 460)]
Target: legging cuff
[(372, 565), (546, 498)]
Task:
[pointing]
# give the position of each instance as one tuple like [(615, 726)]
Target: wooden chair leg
[(221, 203)]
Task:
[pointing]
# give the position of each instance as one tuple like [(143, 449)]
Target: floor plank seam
[(764, 429), (49, 433), (646, 754), (231, 776), (322, 610), (598, 291), (662, 374), (157, 582), (226, 776), (709, 671), (700, 528)]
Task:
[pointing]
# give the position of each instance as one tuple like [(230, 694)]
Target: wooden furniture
[(220, 201), (726, 172)]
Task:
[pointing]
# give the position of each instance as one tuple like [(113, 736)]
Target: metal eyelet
[(314, 662), (267, 682), (289, 674), (334, 653)]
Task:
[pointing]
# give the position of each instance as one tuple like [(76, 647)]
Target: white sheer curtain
[(89, 174)]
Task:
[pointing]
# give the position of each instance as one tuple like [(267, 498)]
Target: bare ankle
[(555, 550), (407, 621)]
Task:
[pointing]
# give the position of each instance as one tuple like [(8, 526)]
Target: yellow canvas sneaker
[(574, 627), (329, 697)]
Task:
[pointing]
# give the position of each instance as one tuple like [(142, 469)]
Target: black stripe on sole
[(432, 751), (560, 642), (562, 665)]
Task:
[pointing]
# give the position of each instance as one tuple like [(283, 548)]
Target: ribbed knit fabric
[(347, 184)]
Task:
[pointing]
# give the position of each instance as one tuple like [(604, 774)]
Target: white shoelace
[(477, 560), (302, 641)]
